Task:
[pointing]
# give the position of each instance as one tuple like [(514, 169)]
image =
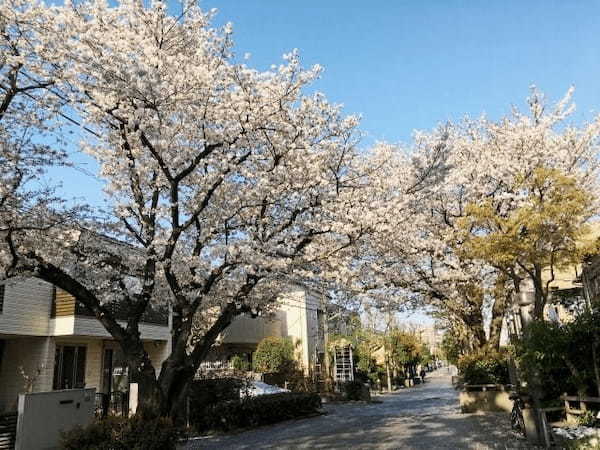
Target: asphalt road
[(423, 417)]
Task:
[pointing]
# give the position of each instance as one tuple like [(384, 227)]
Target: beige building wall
[(26, 310), (298, 312), (296, 317), (248, 330)]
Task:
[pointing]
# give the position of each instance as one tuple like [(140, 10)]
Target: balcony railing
[(215, 365), (119, 312)]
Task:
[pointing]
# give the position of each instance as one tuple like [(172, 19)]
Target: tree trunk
[(502, 297), (539, 294), (595, 362), (179, 369)]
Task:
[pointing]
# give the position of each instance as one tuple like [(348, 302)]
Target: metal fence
[(113, 404)]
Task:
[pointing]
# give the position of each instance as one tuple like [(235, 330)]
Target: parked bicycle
[(517, 423)]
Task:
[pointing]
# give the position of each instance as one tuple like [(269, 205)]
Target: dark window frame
[(78, 367)]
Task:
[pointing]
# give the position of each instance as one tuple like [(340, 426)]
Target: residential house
[(49, 341), (299, 317)]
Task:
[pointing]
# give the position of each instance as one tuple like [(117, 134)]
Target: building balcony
[(71, 317)]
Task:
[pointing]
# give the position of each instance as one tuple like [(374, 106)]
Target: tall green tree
[(544, 233)]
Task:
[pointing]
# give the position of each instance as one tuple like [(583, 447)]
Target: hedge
[(484, 367), (255, 411), (121, 433)]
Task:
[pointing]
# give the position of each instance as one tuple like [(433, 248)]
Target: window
[(2, 291), (69, 367)]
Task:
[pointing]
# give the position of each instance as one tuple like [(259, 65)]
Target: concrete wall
[(43, 415), (476, 401), (36, 356), (26, 310)]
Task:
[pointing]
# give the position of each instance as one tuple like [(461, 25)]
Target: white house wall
[(26, 308)]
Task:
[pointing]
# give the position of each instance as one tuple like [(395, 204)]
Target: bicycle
[(517, 423)]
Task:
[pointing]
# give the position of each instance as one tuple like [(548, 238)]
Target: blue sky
[(408, 65)]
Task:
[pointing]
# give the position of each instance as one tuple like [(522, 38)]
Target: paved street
[(424, 417)]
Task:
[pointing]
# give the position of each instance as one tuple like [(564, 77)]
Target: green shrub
[(117, 433), (254, 411), (353, 390), (274, 355), (484, 367), (558, 358), (206, 392), (239, 363), (587, 419)]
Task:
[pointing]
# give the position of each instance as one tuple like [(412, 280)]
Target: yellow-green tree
[(537, 229)]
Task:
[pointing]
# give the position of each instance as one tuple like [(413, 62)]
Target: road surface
[(423, 417)]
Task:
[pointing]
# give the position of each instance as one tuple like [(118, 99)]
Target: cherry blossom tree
[(479, 161), (224, 182), (27, 120)]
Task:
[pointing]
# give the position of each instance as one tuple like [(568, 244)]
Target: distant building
[(431, 336)]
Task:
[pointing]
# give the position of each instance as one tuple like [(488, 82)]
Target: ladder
[(343, 364)]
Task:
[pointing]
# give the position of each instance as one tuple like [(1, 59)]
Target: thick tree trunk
[(180, 367), (142, 372)]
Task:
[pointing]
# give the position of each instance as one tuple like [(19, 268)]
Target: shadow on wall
[(282, 316)]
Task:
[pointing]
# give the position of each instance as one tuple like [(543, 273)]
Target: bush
[(119, 433), (484, 367), (239, 363), (353, 390), (209, 391), (559, 358), (587, 419), (274, 355), (399, 380), (255, 411)]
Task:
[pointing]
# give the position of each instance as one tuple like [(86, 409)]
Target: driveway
[(423, 417)]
